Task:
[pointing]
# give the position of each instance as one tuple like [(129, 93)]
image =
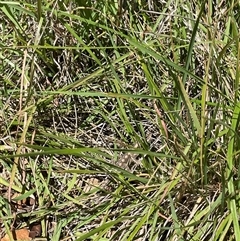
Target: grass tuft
[(120, 120)]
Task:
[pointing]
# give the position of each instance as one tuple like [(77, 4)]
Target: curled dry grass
[(120, 120)]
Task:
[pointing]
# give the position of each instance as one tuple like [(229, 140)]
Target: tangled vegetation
[(120, 120)]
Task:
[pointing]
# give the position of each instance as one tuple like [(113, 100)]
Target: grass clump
[(119, 120)]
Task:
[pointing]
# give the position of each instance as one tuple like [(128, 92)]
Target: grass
[(120, 119)]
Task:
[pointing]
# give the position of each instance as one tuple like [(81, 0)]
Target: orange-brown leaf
[(20, 234)]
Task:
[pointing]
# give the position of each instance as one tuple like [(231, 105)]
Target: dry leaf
[(35, 230), (19, 235)]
